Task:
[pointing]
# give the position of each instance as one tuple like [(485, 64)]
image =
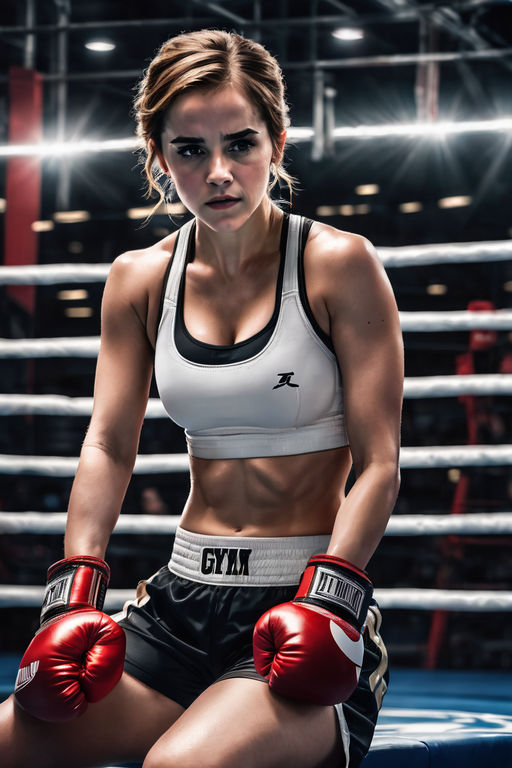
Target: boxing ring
[(431, 718)]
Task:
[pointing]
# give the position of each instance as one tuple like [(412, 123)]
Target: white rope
[(460, 320), (444, 600), (410, 457), (491, 523), (414, 387), (62, 405), (456, 456), (51, 274), (88, 346), (65, 466), (420, 322), (451, 253), (415, 599), (447, 386), (403, 256)]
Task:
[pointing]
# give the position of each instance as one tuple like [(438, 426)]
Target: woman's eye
[(242, 145), (190, 151)]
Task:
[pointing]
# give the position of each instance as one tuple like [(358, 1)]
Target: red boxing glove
[(77, 655), (311, 649)]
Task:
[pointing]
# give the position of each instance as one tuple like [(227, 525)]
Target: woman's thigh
[(240, 722), (121, 727)]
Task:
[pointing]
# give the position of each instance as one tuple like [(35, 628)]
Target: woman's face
[(217, 150)]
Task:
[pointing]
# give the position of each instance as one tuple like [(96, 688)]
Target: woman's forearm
[(364, 514), (95, 502)]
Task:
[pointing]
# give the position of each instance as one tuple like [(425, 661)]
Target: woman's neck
[(228, 251)]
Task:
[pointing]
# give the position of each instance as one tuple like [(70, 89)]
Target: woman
[(276, 343)]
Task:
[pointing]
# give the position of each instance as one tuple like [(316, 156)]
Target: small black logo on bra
[(285, 380)]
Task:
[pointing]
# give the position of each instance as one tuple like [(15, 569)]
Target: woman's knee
[(13, 738), (174, 754)]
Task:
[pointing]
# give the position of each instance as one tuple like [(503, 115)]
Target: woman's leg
[(122, 727), (240, 722)]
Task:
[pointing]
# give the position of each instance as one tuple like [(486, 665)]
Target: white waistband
[(247, 442), (243, 561)]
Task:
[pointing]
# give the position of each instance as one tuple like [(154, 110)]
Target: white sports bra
[(274, 394)]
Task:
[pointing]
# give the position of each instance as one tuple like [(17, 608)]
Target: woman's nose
[(219, 171)]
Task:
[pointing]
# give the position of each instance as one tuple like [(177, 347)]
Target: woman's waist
[(281, 521), (262, 485), (243, 560)]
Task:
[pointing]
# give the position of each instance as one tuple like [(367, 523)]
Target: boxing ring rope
[(414, 387), (402, 256), (489, 523), (418, 322), (411, 599), (416, 457)]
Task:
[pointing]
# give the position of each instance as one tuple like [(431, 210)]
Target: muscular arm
[(366, 334), (121, 390)]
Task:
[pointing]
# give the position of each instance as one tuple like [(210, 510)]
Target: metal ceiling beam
[(353, 63), (400, 15), (218, 10), (401, 59), (447, 18), (403, 16)]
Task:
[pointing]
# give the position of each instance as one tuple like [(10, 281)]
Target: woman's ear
[(159, 156), (279, 155)]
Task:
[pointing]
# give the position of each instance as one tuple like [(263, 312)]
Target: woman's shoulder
[(335, 250), (141, 263), (136, 279)]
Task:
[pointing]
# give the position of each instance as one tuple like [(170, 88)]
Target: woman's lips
[(221, 204)]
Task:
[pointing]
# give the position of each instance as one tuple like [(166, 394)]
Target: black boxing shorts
[(192, 622)]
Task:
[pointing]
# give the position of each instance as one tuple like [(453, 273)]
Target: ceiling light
[(78, 312), (412, 207), (425, 130), (71, 217), (348, 33), (454, 475), (508, 286), (73, 294), (173, 208), (437, 289), (457, 201), (327, 210), (100, 46), (367, 189), (301, 133), (362, 209), (42, 226), (3, 204), (66, 148), (346, 210), (146, 210)]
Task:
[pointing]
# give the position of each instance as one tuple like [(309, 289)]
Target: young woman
[(276, 344)]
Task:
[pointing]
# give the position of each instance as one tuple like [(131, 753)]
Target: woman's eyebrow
[(227, 137)]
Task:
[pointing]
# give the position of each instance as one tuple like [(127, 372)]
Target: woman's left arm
[(365, 331)]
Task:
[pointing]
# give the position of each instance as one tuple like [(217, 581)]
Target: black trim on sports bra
[(215, 354), (164, 285), (303, 236)]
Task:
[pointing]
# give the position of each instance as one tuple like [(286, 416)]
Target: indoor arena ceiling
[(406, 62)]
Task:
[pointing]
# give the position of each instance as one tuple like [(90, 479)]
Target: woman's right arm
[(121, 391)]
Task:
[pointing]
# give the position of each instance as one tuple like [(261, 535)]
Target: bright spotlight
[(348, 33), (100, 46)]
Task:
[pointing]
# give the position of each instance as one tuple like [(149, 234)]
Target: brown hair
[(209, 59)]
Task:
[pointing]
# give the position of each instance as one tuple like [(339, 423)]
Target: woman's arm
[(365, 330), (121, 390)]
